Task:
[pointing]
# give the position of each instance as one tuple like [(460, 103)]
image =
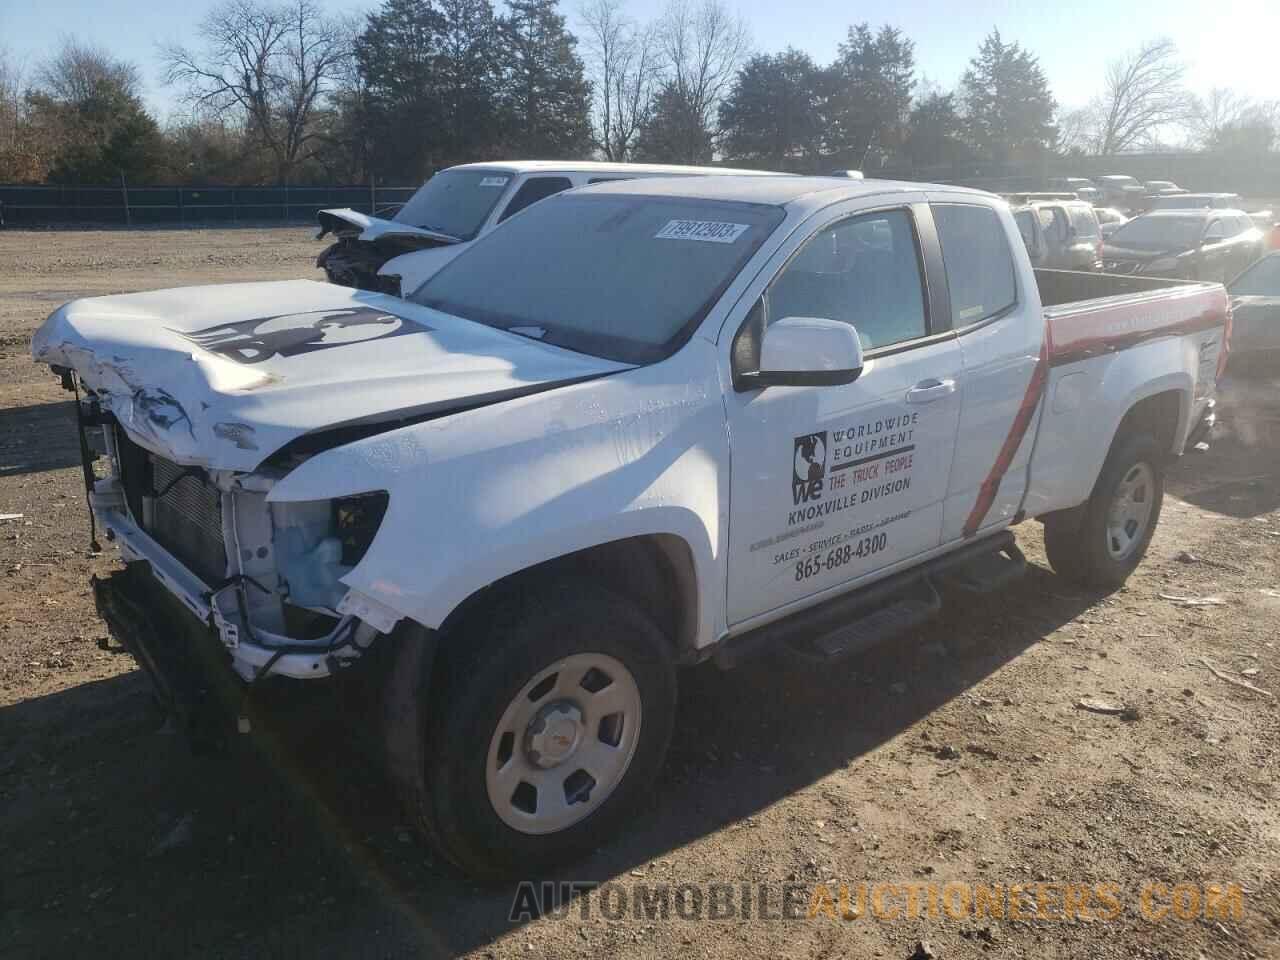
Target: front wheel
[(1101, 543), (553, 719)]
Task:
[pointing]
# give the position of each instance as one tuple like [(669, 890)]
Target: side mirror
[(808, 352)]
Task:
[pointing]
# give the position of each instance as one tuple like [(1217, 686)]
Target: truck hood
[(224, 376), (346, 220)]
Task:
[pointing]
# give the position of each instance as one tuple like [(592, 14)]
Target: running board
[(916, 604), (988, 572), (856, 621)]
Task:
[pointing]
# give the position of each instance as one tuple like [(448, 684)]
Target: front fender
[(480, 495)]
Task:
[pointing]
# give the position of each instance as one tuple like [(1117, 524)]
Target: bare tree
[(1218, 110), (270, 66), (624, 72), (1077, 130), (79, 71), (10, 100), (1143, 96), (702, 45)]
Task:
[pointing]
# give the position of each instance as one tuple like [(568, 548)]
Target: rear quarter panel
[(1106, 358)]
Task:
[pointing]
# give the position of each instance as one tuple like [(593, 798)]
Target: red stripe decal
[(1017, 430)]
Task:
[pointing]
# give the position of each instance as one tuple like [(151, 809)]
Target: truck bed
[(1066, 288), (1087, 314)]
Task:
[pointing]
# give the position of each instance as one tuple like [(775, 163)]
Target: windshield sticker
[(289, 334), (708, 231), (494, 181)]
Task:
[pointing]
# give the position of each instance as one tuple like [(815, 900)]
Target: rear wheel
[(551, 721), (1101, 543)]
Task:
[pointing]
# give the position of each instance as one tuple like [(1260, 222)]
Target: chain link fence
[(130, 206)]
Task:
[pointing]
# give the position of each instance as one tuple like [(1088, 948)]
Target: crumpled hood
[(223, 376), (371, 228)]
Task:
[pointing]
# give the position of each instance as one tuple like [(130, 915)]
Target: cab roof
[(778, 191), (595, 166)]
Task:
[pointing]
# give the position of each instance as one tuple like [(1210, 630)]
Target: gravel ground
[(956, 755)]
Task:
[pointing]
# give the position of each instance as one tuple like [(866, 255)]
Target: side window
[(979, 265), (534, 189), (864, 271)]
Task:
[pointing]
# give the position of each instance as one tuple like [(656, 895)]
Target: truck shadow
[(289, 844), (38, 437)]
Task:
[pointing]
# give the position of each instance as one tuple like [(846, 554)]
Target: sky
[(1227, 43)]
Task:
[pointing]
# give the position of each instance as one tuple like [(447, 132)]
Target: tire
[(477, 748), (1089, 545)]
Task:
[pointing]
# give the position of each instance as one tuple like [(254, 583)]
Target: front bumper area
[(188, 667), (170, 576)]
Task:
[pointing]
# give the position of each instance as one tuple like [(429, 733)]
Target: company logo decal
[(291, 334), (809, 467)]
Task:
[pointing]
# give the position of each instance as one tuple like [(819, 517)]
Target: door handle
[(927, 391)]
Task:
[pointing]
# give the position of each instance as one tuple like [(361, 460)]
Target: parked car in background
[(1163, 188), (1034, 196), (455, 207), (1190, 244), (1196, 201), (1083, 188), (1122, 191), (1109, 220), (1255, 320), (1060, 235)]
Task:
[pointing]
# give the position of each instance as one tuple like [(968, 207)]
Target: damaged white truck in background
[(643, 425), (455, 207)]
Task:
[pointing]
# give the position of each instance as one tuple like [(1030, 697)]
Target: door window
[(864, 271), (975, 251), (533, 190)]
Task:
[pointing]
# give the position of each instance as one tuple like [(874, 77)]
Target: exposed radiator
[(178, 507)]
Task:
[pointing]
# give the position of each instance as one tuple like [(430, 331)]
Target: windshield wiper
[(534, 333)]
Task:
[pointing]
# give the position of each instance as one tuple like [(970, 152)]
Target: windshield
[(1159, 233), (1260, 280), (617, 276), (455, 202)]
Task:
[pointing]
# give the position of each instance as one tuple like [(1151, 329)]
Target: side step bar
[(857, 621)]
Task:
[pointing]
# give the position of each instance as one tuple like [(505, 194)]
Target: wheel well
[(654, 572), (1157, 416)]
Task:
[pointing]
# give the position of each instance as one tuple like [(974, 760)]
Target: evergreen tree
[(397, 105), (1008, 106), (547, 100), (770, 117), (869, 92), (674, 131), (934, 132)]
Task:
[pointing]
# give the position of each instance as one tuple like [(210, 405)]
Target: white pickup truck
[(642, 425)]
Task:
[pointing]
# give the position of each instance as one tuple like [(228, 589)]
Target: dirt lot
[(956, 755)]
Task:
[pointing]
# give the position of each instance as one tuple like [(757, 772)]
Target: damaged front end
[(363, 244), (265, 578)]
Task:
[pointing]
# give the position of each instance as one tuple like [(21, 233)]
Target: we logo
[(809, 467)]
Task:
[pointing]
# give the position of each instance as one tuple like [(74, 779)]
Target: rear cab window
[(533, 190), (978, 261)]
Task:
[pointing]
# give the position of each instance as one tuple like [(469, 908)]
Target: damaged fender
[(634, 454)]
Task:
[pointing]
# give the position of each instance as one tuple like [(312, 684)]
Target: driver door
[(833, 484)]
